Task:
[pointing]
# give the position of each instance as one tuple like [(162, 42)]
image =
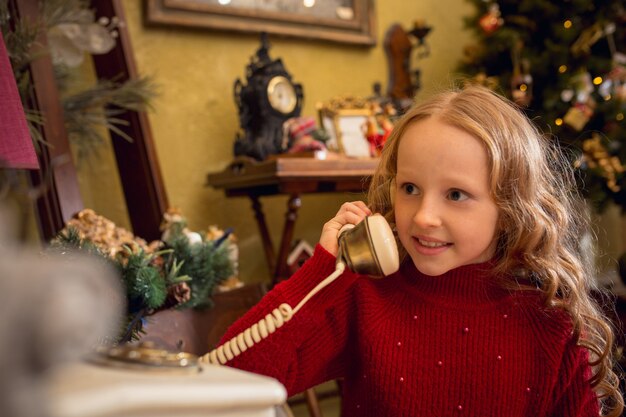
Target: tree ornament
[(578, 116), (492, 20), (521, 89), (473, 53), (596, 157), (521, 80), (490, 82), (614, 84), (567, 95), (587, 38), (583, 86), (584, 105)]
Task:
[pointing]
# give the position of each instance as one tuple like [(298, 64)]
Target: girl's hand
[(349, 213)]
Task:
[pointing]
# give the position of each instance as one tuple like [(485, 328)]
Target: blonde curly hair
[(542, 217)]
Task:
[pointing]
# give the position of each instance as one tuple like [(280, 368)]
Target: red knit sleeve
[(573, 395), (307, 350)]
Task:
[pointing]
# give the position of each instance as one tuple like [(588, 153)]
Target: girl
[(490, 313)]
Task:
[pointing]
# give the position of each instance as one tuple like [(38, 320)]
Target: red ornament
[(491, 21)]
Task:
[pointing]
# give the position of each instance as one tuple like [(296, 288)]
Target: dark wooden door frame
[(138, 166), (137, 162)]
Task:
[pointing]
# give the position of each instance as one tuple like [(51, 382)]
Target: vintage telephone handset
[(368, 248)]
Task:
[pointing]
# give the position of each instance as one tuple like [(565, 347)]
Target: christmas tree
[(563, 62)]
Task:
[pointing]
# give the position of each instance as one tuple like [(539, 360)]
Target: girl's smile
[(429, 246)]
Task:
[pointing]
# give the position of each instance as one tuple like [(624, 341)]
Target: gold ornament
[(597, 157), (576, 118), (481, 78), (589, 36)]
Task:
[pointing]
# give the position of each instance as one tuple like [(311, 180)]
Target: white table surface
[(89, 390)]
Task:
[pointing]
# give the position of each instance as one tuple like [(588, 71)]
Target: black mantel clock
[(268, 99)]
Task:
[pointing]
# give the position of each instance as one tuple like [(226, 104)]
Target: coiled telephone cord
[(264, 327)]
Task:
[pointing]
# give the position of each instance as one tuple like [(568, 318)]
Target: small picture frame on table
[(345, 120)]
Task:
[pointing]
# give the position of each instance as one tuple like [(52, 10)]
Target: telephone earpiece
[(369, 248)]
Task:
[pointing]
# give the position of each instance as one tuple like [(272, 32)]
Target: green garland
[(150, 278)]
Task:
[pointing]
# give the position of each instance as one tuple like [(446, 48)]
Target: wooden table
[(290, 176)]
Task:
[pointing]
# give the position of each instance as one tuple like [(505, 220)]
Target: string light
[(597, 80), (567, 24), (558, 121), (619, 117), (562, 68)]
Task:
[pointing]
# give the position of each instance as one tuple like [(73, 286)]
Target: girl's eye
[(456, 195), (409, 189)]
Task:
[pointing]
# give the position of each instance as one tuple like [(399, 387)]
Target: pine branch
[(145, 286), (207, 266), (95, 109), (70, 239), (133, 95)]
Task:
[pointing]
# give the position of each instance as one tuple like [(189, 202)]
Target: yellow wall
[(98, 177), (195, 119)]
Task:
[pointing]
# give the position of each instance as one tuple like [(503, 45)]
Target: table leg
[(268, 246), (293, 204), (312, 403)]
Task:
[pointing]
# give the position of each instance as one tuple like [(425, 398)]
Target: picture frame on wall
[(344, 21)]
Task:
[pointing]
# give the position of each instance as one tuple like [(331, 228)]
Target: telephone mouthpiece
[(370, 248)]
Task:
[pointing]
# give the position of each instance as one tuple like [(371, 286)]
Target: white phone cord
[(264, 327)]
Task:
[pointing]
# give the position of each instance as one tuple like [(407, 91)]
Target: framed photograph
[(346, 21), (346, 127)]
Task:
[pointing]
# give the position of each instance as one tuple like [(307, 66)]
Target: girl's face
[(445, 215)]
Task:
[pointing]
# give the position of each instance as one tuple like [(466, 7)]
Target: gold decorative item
[(343, 119), (105, 234), (597, 157), (146, 356)]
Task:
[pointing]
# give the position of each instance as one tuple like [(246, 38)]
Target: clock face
[(281, 94)]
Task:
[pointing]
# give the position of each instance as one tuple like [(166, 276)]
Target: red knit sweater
[(415, 345)]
